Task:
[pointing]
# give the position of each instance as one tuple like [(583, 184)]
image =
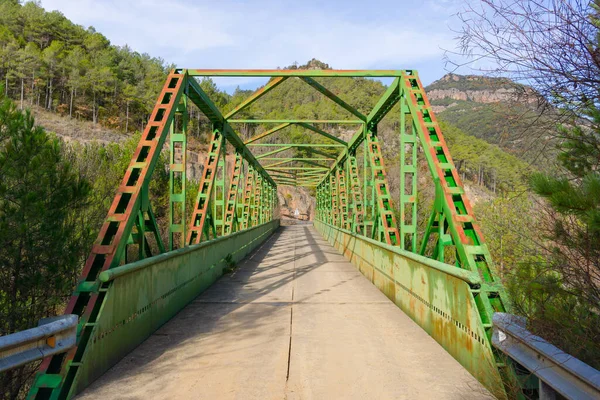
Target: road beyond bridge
[(295, 320)]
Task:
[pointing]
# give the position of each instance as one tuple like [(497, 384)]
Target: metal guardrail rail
[(55, 336), (557, 371)]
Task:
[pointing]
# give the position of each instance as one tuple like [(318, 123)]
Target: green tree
[(40, 195), (562, 295), (53, 56)]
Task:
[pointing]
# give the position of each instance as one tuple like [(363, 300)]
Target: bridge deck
[(294, 321)]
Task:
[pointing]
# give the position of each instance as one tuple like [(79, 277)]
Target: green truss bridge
[(359, 304)]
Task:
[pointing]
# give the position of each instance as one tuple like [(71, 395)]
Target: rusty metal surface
[(144, 295), (439, 302)]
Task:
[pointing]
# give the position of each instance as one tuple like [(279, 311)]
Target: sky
[(350, 34)]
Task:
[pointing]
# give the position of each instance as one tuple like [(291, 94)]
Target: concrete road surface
[(294, 321)]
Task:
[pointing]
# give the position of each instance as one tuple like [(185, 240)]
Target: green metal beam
[(298, 169), (295, 145), (201, 100), (295, 121), (322, 133), (315, 151), (277, 163), (268, 133), (296, 72), (270, 153), (273, 83), (311, 173), (333, 97), (298, 159), (286, 181), (275, 173), (385, 103)]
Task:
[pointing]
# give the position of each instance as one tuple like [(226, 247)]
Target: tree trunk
[(71, 104), (94, 109), (50, 96), (32, 88), (127, 118), (22, 91), (46, 99)]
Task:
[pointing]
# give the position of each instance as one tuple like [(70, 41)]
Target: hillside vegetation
[(501, 112), (97, 95), (47, 60)]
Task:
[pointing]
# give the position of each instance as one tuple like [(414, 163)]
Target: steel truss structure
[(240, 192)]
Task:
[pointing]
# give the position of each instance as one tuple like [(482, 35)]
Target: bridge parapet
[(437, 296), (143, 295)]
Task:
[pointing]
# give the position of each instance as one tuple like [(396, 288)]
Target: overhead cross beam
[(273, 83), (322, 133), (268, 133), (302, 124), (296, 121), (322, 89), (315, 73)]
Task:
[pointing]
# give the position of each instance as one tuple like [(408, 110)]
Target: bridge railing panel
[(437, 296), (144, 295)]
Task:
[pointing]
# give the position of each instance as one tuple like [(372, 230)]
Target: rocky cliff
[(293, 198), (478, 89)]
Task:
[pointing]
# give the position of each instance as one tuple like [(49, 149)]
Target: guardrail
[(56, 336), (557, 371)]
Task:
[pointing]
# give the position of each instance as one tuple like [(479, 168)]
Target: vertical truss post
[(335, 216), (321, 206), (274, 200), (387, 228), (246, 206), (152, 226), (257, 209), (267, 202), (325, 201), (368, 194), (343, 196), (239, 207), (320, 211), (358, 211), (264, 201), (209, 173), (272, 192), (218, 213), (144, 226), (232, 193), (324, 198), (408, 183), (177, 179)]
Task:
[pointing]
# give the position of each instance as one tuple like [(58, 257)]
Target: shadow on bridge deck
[(294, 321)]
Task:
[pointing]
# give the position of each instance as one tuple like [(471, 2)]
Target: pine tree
[(40, 195)]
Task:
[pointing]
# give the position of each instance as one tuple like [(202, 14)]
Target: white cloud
[(269, 33)]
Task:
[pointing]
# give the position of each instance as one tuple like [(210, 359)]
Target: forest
[(541, 220), (47, 61)]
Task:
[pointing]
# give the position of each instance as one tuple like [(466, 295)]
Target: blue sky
[(349, 34)]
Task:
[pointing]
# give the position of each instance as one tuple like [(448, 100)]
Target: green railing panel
[(437, 296), (144, 295)]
